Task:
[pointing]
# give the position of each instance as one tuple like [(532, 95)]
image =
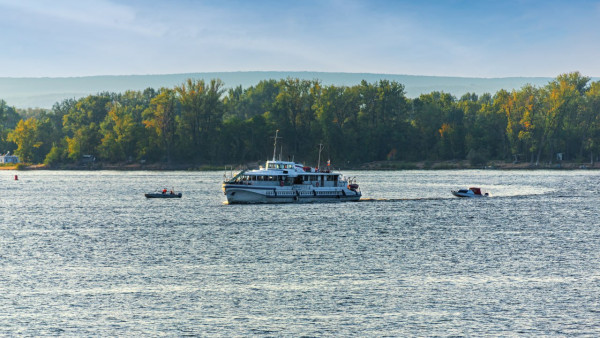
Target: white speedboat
[(289, 182), (471, 192)]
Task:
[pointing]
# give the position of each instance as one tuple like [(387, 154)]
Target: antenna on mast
[(280, 152), (275, 145)]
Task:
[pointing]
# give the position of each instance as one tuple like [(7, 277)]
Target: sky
[(67, 38)]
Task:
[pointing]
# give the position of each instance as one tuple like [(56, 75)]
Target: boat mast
[(275, 145), (320, 148)]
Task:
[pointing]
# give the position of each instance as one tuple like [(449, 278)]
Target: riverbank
[(455, 165), (379, 165), (114, 166)]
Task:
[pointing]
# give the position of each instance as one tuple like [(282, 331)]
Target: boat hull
[(253, 195), (467, 195), (159, 195)]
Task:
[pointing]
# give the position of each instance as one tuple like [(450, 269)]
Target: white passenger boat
[(289, 182)]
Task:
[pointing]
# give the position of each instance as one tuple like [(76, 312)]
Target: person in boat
[(172, 193), (164, 191)]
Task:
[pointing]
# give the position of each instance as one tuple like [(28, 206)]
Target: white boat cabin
[(284, 173)]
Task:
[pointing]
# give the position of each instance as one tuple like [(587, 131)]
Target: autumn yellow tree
[(160, 119), (25, 136)]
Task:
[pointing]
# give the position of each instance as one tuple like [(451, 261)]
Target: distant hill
[(44, 92)]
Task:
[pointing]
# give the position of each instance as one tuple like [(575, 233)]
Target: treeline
[(202, 123)]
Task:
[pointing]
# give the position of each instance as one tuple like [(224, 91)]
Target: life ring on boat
[(317, 184), (281, 183)]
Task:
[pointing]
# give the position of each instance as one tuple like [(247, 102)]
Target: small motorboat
[(471, 192), (163, 195)]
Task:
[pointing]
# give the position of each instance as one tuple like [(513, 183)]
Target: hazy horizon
[(280, 71), (44, 92)]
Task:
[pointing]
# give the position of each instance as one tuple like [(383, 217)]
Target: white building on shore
[(8, 158)]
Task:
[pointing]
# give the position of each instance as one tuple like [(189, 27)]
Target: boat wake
[(402, 199)]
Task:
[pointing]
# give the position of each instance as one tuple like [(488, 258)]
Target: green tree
[(8, 121), (82, 125), (159, 118), (293, 114), (120, 133), (25, 135), (590, 122), (201, 117), (562, 97)]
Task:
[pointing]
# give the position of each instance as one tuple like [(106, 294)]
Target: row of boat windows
[(280, 166), (262, 178), (305, 178), (292, 193)]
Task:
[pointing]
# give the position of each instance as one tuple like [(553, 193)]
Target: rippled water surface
[(84, 253)]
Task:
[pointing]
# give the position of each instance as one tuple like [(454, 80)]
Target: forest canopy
[(202, 123)]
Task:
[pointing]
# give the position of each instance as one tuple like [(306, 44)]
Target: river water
[(85, 254)]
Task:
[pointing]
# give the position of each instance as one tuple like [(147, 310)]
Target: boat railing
[(233, 179)]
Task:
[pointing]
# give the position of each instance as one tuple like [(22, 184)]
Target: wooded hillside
[(202, 123)]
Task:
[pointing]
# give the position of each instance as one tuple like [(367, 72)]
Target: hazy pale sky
[(60, 38)]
